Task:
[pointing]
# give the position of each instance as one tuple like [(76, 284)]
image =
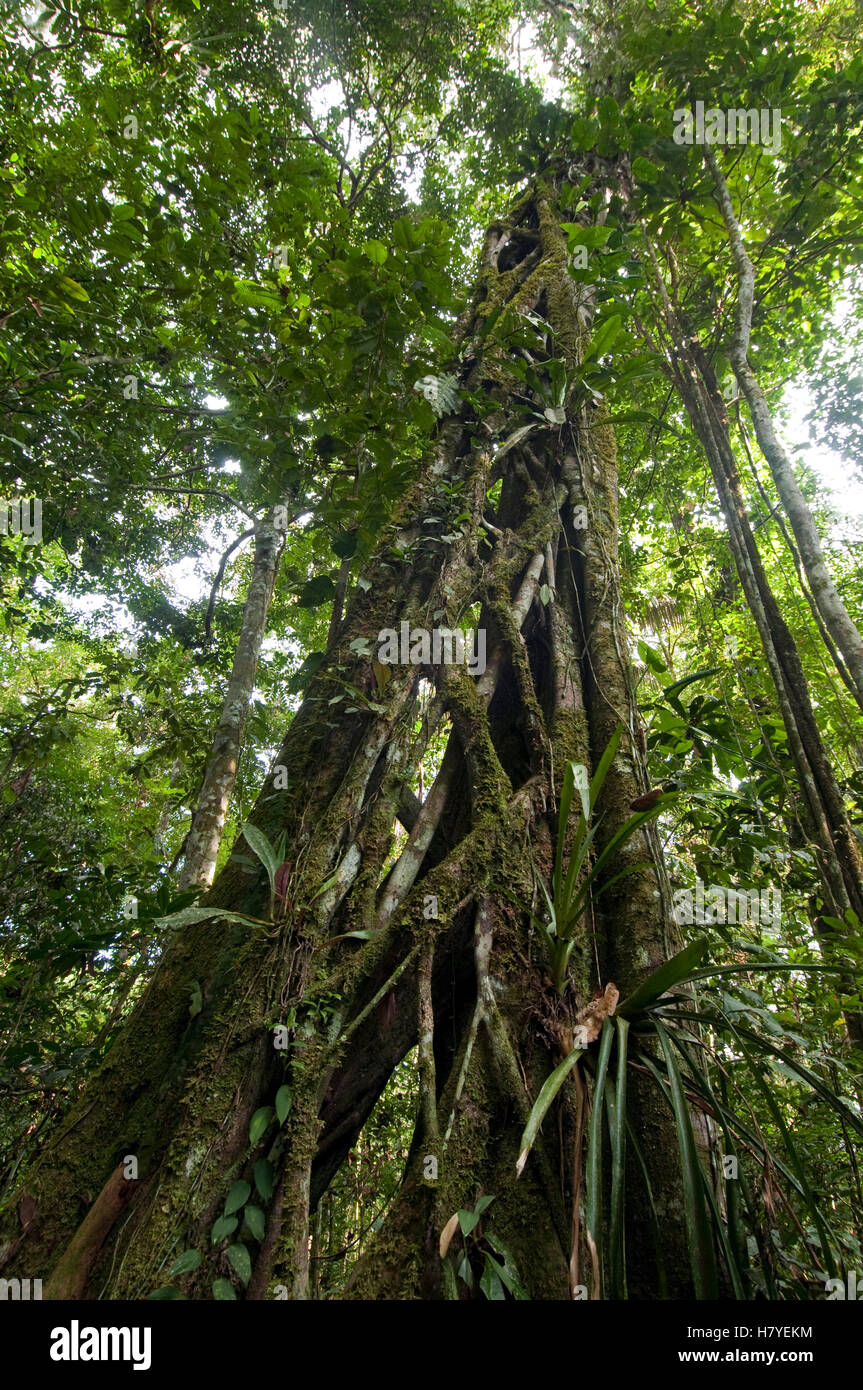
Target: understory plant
[(720, 1060)]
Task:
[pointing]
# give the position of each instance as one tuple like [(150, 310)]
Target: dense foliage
[(238, 243)]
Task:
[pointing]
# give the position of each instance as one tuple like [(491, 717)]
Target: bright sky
[(834, 472)]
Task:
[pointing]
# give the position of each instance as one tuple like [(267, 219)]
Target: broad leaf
[(185, 1263), (237, 1197), (672, 973)]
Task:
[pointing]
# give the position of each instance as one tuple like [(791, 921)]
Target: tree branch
[(220, 574)]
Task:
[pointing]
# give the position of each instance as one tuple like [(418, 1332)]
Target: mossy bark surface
[(178, 1090)]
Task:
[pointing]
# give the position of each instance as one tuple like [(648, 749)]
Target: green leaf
[(731, 1231), (562, 824), (673, 690), (672, 973), (165, 1293), (375, 250), (593, 1169), (344, 544), (798, 1164), (644, 171), (185, 1263), (598, 780), (591, 237), (626, 831), (261, 1121), (513, 439), (468, 1220), (260, 845), (241, 1260), (604, 338), (701, 1254), (571, 902), (188, 915), (326, 886), (724, 1229), (73, 289), (284, 1099), (540, 1106), (449, 1280), (616, 1105), (720, 1021), (224, 1226), (507, 1272), (490, 1283), (223, 1290), (264, 1177), (651, 658), (237, 1197), (256, 1222), (464, 1271), (317, 591), (583, 133)]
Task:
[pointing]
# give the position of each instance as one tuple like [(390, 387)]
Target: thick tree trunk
[(208, 819), (449, 960)]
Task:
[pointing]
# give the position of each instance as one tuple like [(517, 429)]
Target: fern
[(441, 392)]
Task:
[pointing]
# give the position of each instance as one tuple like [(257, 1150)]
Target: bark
[(69, 1279), (828, 601), (469, 981), (220, 773)]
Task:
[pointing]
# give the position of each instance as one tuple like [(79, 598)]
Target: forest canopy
[(431, 716)]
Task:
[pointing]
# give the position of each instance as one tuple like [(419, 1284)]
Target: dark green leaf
[(184, 1264), (241, 1260), (237, 1197)]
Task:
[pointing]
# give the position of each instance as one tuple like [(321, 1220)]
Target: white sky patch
[(189, 579), (113, 616), (185, 578), (529, 61), (323, 99), (412, 181), (353, 140), (834, 473)]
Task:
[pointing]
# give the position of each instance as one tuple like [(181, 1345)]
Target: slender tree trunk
[(832, 610), (448, 958), (825, 817), (220, 773)]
